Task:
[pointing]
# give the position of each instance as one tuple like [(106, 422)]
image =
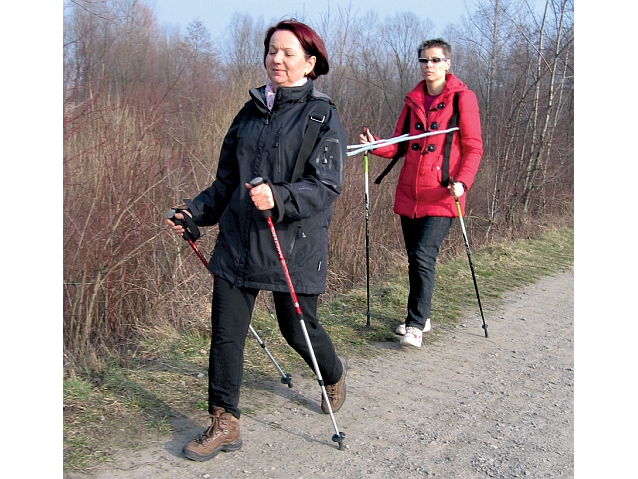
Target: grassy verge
[(141, 393)]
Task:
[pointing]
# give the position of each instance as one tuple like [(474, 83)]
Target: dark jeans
[(423, 238), (231, 314)]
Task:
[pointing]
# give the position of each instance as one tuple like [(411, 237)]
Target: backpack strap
[(318, 117), (454, 122), (403, 148)]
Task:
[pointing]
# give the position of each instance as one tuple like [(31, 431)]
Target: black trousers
[(423, 238), (232, 310)]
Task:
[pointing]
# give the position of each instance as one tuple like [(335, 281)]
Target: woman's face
[(286, 62), (434, 72)]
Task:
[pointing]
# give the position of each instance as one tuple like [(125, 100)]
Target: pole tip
[(287, 380), (339, 439)]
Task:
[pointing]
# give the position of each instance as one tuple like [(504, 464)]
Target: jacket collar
[(452, 85), (284, 95)]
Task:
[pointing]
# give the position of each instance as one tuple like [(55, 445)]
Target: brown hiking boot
[(336, 392), (221, 435)]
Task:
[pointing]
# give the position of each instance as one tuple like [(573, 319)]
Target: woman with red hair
[(264, 141)]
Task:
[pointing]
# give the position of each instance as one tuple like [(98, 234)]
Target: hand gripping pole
[(469, 256), (338, 436), (191, 233)]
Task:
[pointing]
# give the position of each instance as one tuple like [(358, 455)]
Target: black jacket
[(265, 143)]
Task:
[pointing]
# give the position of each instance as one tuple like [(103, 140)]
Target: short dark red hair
[(309, 40)]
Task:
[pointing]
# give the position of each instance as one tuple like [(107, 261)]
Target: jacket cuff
[(197, 213), (279, 208)]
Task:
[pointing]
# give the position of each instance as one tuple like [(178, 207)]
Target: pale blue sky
[(216, 15)]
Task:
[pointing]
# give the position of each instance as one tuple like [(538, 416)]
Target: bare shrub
[(145, 113)]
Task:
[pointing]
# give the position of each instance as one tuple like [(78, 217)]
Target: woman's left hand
[(456, 189), (261, 196)]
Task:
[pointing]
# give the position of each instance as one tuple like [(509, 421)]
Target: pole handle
[(451, 183), (191, 231), (258, 180)]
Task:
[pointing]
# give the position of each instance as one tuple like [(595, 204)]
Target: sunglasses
[(433, 60)]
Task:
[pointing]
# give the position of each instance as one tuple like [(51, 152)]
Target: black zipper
[(279, 154)]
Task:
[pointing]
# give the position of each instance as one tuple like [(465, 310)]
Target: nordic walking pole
[(338, 436), (189, 235), (367, 207), (469, 257)]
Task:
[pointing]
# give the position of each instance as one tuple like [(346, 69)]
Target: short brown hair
[(436, 42), (309, 40)]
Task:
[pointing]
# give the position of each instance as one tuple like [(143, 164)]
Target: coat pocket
[(330, 163)]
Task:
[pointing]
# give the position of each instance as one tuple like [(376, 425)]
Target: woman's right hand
[(366, 137), (178, 229)]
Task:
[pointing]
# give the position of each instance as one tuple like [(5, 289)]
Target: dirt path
[(466, 407)]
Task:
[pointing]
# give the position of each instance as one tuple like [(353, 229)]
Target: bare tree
[(549, 64)]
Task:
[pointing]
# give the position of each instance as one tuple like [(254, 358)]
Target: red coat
[(419, 192)]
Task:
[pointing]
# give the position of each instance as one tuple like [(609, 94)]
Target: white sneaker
[(413, 337), (401, 328)]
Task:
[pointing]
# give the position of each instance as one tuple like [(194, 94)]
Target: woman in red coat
[(426, 189)]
